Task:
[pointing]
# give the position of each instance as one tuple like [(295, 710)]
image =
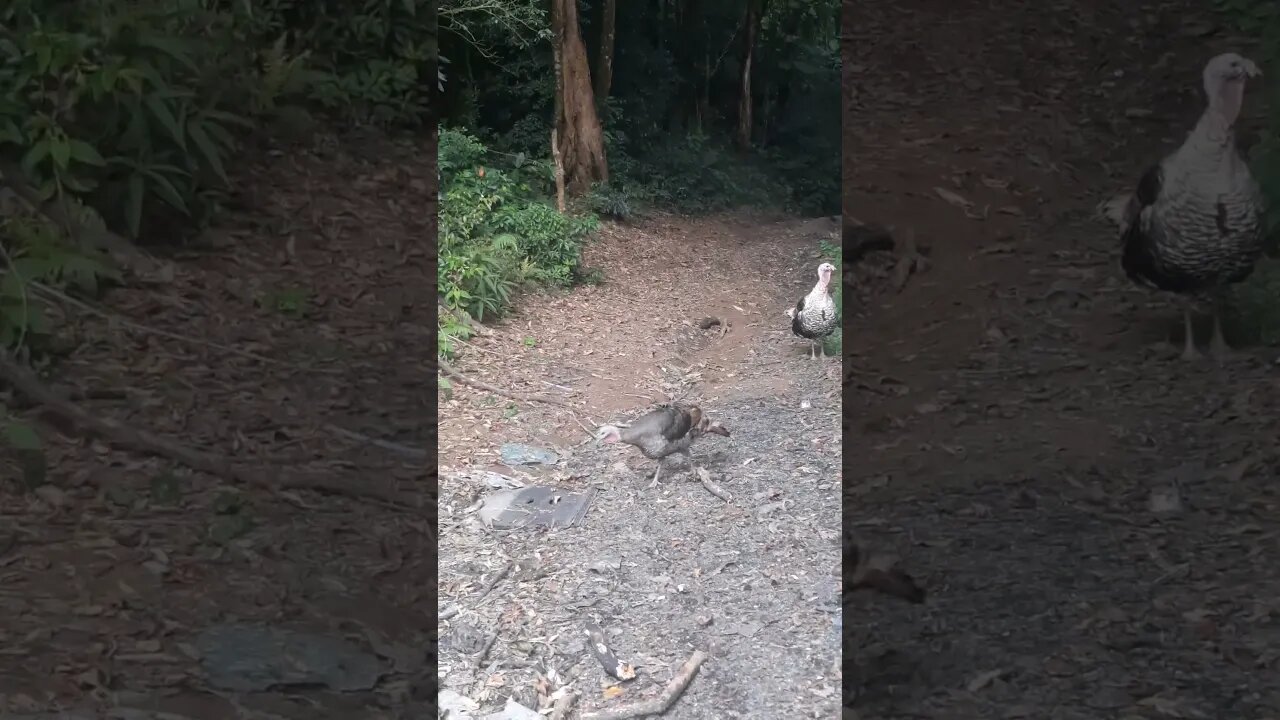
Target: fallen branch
[(712, 487), (124, 437), (384, 444), (605, 656), (659, 705), (449, 370)]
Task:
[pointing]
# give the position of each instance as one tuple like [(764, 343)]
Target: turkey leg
[(1189, 352), (654, 484), (1218, 345)]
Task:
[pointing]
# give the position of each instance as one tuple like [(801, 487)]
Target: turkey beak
[(1251, 69)]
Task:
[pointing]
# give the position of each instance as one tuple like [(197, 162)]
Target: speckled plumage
[(1194, 224), (664, 431), (814, 316)]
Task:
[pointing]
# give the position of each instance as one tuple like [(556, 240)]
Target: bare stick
[(659, 705), (712, 487), (559, 163), (384, 444), (481, 385), (26, 383)]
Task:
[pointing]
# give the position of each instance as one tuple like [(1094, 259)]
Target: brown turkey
[(664, 431)]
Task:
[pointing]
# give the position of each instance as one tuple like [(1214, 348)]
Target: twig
[(560, 711), (493, 582), (711, 487), (125, 322), (384, 444), (481, 385), (659, 705), (26, 383)]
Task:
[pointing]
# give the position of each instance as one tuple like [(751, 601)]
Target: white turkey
[(1194, 224), (664, 431), (814, 317)]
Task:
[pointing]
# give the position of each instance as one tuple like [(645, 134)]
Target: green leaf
[(21, 436), (226, 117), (60, 151), (36, 155), (210, 151), (167, 191), (162, 113), (133, 214), (170, 46), (10, 133), (83, 152)]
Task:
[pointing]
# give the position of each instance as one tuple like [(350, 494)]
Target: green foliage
[(833, 253), (497, 233), (1255, 311), (671, 116)]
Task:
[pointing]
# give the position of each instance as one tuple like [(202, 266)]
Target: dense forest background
[(687, 106)]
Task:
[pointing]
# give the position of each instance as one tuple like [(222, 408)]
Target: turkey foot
[(1218, 345), (1189, 352), (654, 484)]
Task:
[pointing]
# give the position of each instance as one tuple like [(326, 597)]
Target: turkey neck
[(1218, 123), (821, 287)]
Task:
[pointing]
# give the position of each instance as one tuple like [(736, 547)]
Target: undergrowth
[(130, 117), (1255, 304), (498, 232)]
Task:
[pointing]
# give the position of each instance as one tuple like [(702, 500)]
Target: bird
[(663, 431), (814, 317), (872, 571), (1194, 226)]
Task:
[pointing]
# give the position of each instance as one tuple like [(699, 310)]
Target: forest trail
[(124, 579), (673, 569), (1092, 517)]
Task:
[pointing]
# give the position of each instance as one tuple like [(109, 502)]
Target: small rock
[(1165, 501)]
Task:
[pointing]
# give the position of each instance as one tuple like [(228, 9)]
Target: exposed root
[(124, 437), (481, 385)]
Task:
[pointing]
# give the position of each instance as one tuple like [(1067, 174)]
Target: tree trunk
[(604, 68), (577, 124), (751, 29)]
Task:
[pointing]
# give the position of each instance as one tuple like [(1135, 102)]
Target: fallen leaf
[(953, 198), (984, 679)]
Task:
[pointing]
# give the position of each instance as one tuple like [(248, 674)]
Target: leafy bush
[(497, 232), (1254, 315)]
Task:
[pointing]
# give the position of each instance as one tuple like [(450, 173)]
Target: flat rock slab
[(514, 454), (252, 658), (535, 506)]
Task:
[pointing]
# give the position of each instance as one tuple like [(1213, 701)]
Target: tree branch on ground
[(126, 438)]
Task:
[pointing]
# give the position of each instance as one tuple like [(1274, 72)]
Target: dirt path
[(113, 572), (1091, 515), (668, 570)]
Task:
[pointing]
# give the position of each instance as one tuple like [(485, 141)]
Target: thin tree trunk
[(604, 67), (751, 29), (577, 124)]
